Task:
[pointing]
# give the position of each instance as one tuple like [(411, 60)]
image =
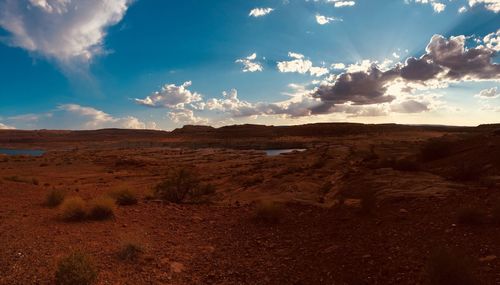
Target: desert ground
[(356, 204)]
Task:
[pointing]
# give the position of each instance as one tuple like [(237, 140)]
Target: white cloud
[(301, 65), (5, 127), (437, 6), (338, 66), (492, 41), (323, 20), (64, 30), (488, 93), (260, 12), (91, 118), (186, 117), (462, 9), (171, 96), (249, 63), (341, 3), (492, 5), (73, 116)]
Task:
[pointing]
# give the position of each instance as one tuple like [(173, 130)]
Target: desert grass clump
[(124, 197), (130, 251), (76, 269), (73, 209), (470, 216), (102, 208), (447, 267), (178, 185), (268, 212), (54, 198)]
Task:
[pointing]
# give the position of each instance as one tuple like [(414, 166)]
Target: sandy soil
[(321, 238)]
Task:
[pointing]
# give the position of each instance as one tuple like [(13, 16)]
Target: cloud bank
[(64, 30)]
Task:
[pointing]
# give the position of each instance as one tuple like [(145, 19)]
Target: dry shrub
[(178, 185), (54, 198), (435, 149), (447, 267), (251, 181), (73, 209), (102, 208), (268, 212), (130, 251), (76, 269), (124, 197), (470, 216)]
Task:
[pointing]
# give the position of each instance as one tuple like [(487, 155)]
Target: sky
[(151, 64)]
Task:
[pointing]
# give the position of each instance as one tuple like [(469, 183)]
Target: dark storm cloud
[(360, 88), (475, 62), (444, 60), (420, 69)]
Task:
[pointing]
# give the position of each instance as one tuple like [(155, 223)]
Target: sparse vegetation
[(465, 172), (76, 269), (470, 216), (124, 197), (446, 267), (268, 212), (435, 149), (18, 179), (130, 251), (179, 184), (253, 180), (73, 209), (102, 208), (54, 198)]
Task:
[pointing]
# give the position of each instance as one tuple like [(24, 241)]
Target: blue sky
[(88, 64)]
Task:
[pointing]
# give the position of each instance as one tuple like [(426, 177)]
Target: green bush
[(54, 198), (76, 269), (124, 197), (446, 267), (73, 209), (102, 209)]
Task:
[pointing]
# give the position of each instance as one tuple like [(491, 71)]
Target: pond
[(275, 152), (29, 152)]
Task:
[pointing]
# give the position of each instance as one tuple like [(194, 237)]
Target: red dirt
[(321, 239)]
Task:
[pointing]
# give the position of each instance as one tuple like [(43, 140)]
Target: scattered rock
[(488, 258), (177, 267)]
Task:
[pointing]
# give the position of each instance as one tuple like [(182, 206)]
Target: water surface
[(29, 152), (275, 152)]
